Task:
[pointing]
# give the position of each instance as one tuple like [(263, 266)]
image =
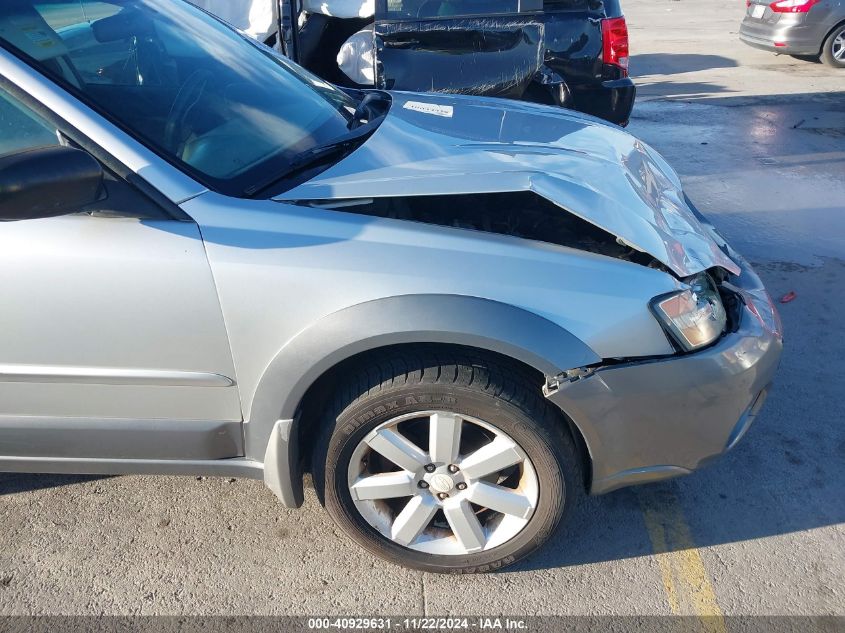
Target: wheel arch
[(273, 430)]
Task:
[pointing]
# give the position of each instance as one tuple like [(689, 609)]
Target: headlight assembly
[(694, 317)]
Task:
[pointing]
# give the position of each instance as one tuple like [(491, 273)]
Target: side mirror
[(48, 181)]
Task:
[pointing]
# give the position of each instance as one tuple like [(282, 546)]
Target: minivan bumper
[(611, 100), (654, 419)]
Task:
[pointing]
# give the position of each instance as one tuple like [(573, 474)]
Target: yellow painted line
[(685, 581)]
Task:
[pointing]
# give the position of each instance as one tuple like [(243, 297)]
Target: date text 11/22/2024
[(417, 623)]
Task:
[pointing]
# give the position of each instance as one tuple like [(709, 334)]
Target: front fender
[(450, 319)]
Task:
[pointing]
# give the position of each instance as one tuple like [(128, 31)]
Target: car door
[(489, 47), (112, 341)]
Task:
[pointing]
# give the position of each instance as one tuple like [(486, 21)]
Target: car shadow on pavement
[(676, 63), (654, 75), (727, 503), (12, 483), (686, 90)]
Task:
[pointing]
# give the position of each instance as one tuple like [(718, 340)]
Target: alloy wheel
[(443, 483), (839, 47)]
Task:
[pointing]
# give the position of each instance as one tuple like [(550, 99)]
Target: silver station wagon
[(459, 314)]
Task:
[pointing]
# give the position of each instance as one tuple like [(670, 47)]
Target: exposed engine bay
[(521, 214)]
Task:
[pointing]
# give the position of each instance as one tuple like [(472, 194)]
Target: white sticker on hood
[(429, 108)]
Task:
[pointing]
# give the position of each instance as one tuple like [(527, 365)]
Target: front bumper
[(649, 420)]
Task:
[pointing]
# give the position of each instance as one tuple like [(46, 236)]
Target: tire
[(490, 400), (833, 49)]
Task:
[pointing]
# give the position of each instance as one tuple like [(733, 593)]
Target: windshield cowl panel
[(227, 111)]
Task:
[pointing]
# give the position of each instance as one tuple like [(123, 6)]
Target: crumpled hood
[(448, 144)]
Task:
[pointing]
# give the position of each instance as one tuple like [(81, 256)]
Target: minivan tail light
[(614, 35), (792, 6)]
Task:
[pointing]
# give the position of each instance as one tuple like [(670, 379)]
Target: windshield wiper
[(318, 155), (372, 106)]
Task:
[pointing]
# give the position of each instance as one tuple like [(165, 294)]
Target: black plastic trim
[(169, 210)]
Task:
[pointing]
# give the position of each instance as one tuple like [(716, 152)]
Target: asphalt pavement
[(759, 142)]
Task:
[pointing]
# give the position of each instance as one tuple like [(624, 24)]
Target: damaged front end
[(648, 419), (550, 177), (520, 170), (522, 214)]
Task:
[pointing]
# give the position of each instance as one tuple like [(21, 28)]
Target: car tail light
[(792, 6), (614, 35)]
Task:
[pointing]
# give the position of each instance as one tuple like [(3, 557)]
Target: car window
[(109, 62), (200, 94), (404, 9), (22, 129)]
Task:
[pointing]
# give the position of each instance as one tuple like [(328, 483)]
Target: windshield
[(229, 111)]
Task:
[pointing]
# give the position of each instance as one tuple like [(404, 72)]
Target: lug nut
[(453, 469), (462, 486), (442, 496), (423, 484), (430, 468)]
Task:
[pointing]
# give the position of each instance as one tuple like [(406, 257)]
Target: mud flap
[(282, 474)]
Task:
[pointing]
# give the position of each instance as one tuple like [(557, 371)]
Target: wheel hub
[(440, 482), (446, 482)]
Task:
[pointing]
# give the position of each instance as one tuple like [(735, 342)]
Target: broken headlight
[(693, 317)]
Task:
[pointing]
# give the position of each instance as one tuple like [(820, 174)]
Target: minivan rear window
[(428, 9)]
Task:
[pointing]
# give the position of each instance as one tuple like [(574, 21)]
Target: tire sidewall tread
[(827, 48), (470, 384)]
